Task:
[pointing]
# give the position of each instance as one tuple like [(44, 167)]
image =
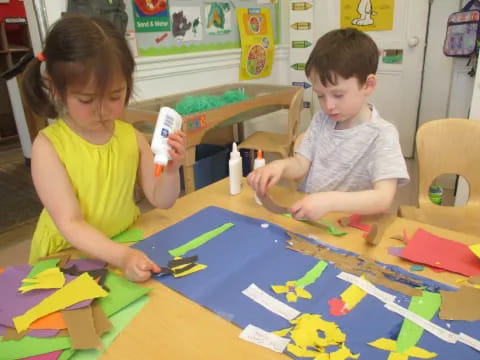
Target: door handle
[(413, 41)]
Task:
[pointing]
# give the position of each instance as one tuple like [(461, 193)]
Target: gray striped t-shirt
[(351, 159)]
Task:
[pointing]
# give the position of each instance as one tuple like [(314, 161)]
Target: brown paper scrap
[(460, 305), (272, 206)]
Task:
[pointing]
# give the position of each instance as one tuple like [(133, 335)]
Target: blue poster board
[(251, 253)]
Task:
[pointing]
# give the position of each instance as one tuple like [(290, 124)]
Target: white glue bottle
[(235, 170), (259, 162), (168, 122)]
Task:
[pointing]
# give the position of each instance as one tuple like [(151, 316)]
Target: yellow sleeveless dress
[(103, 178)]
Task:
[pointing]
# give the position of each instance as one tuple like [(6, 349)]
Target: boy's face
[(344, 100)]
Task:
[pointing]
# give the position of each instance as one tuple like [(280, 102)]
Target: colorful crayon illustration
[(301, 44), (298, 66), (301, 5), (302, 25), (161, 38)]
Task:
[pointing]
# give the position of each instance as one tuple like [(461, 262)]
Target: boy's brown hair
[(343, 52), (77, 48)]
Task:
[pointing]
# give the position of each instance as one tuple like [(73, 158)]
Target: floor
[(16, 250)]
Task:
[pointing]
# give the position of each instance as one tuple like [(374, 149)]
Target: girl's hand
[(137, 266), (177, 142)]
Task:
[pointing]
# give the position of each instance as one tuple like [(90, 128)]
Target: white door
[(398, 87)]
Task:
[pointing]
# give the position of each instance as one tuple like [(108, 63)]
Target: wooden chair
[(274, 142), (448, 146)]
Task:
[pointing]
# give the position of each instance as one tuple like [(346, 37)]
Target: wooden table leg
[(188, 172)]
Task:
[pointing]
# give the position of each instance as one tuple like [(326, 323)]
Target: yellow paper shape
[(352, 296), (196, 268), (390, 345), (475, 249), (51, 278), (282, 332), (80, 289), (291, 296)]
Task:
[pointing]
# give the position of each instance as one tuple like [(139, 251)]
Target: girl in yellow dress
[(86, 163)]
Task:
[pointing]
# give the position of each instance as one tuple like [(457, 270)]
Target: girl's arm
[(162, 191), (55, 191)]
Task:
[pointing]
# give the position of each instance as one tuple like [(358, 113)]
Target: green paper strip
[(312, 275), (31, 346), (425, 306), (332, 230), (131, 235), (200, 240), (41, 266)]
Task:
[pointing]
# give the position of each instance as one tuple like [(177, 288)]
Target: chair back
[(294, 116)]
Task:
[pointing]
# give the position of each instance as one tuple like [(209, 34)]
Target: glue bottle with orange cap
[(168, 122), (259, 161)]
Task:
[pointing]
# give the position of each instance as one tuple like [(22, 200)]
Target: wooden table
[(171, 326)]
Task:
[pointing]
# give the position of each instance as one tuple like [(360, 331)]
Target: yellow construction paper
[(291, 296), (82, 288), (475, 249), (282, 332), (196, 268), (51, 278), (390, 345), (352, 296)]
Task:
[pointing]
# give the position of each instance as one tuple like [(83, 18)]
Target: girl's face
[(92, 110)]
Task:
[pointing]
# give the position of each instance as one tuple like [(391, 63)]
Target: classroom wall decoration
[(302, 41), (169, 27), (367, 15), (256, 36)]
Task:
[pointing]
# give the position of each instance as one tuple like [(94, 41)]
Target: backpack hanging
[(111, 10), (463, 32)]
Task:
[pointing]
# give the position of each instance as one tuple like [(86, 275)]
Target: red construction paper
[(430, 249)]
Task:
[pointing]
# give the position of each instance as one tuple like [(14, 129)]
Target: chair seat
[(268, 142)]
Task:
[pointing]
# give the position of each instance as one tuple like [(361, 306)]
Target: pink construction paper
[(430, 249), (48, 356)]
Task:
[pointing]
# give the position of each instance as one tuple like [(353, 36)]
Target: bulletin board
[(184, 26)]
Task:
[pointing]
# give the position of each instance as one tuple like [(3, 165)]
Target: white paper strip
[(432, 328), (468, 340), (367, 287), (263, 338), (269, 302)]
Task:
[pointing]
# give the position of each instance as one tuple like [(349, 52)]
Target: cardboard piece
[(81, 328), (463, 304), (272, 206)]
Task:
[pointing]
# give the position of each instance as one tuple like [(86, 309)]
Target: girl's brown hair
[(344, 52), (77, 49)]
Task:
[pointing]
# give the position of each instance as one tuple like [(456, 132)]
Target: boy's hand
[(177, 142), (137, 266), (313, 206), (265, 177)]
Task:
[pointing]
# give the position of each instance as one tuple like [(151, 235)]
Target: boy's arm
[(57, 195), (377, 200), (265, 177), (162, 191)]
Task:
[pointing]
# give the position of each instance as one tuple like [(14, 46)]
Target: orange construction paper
[(2, 270), (50, 321)]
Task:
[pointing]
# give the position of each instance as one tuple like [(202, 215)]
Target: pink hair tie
[(41, 57)]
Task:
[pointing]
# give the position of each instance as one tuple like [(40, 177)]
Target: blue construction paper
[(249, 253)]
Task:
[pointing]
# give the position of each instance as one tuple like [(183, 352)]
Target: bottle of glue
[(168, 122), (235, 171), (259, 162)]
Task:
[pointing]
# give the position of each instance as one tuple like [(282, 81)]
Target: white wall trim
[(155, 67)]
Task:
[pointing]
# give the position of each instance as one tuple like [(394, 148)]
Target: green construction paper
[(200, 240), (332, 230), (31, 346), (131, 235), (66, 354), (121, 293), (312, 275), (425, 306), (119, 322), (41, 266)]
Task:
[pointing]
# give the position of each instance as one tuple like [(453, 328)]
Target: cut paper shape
[(475, 249), (271, 205), (51, 278), (395, 250), (354, 221), (352, 296), (180, 267), (130, 235), (463, 304), (200, 240), (337, 307), (264, 338), (2, 270), (42, 265), (308, 343), (81, 328), (83, 265), (321, 223), (295, 289), (430, 249), (82, 288), (192, 268), (390, 345), (51, 321), (417, 267), (48, 356)]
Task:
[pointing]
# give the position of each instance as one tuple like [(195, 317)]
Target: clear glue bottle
[(235, 170), (259, 162), (168, 122)]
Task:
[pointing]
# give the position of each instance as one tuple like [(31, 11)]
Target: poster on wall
[(367, 15), (151, 15), (218, 17), (256, 37), (186, 23)]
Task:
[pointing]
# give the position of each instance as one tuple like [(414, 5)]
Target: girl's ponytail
[(36, 91)]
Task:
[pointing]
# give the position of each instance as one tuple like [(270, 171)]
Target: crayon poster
[(258, 46), (218, 18), (367, 15), (151, 15), (186, 23)]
